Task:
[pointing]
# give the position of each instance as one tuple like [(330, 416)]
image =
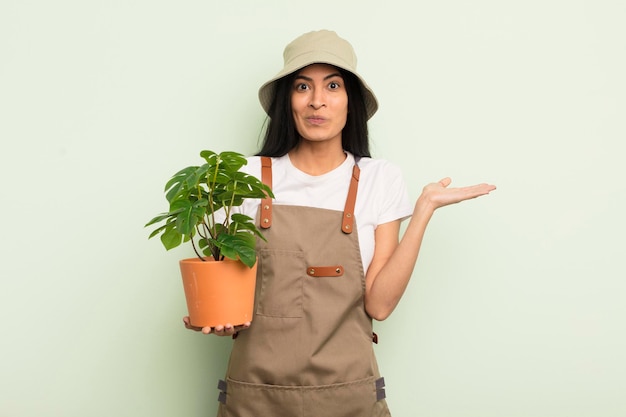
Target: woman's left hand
[(393, 262), (437, 194)]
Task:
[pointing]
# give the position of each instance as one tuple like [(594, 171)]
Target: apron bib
[(308, 352)]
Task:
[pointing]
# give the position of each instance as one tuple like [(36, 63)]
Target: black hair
[(281, 135)]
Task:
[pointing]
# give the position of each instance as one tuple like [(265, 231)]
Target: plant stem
[(193, 244), (213, 231)]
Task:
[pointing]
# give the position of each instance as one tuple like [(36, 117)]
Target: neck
[(316, 160)]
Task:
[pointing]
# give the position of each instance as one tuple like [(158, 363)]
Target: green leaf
[(171, 238), (190, 215), (193, 181), (158, 219), (241, 222), (233, 160), (209, 156), (240, 246), (157, 231), (176, 186)]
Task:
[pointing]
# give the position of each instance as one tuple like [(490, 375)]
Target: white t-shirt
[(381, 198)]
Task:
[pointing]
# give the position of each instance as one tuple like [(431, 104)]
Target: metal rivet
[(266, 221), (348, 215), (338, 270), (311, 271), (266, 207), (347, 226)]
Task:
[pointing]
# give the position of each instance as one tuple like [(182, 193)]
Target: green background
[(516, 307)]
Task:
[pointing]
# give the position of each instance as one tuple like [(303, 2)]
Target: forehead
[(323, 70)]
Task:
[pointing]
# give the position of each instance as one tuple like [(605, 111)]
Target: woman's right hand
[(219, 330)]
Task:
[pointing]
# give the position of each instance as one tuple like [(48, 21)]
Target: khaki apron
[(308, 352)]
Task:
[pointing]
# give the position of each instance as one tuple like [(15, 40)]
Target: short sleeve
[(395, 200)]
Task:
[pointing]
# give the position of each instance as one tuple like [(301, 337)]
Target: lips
[(315, 120)]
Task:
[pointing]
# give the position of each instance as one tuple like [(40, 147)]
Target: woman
[(333, 260)]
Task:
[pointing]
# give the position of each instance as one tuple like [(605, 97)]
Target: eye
[(301, 87), (333, 85)]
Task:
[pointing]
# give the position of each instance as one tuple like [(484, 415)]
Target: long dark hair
[(281, 135)]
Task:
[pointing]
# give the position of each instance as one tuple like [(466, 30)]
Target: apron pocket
[(281, 283)]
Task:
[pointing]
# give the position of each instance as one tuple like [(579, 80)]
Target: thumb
[(445, 182)]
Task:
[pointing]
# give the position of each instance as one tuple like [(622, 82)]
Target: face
[(319, 103)]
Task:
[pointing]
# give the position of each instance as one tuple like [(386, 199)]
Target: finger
[(242, 326), (481, 189), (445, 181), (224, 330), (229, 330), (219, 330), (471, 192), (188, 324)]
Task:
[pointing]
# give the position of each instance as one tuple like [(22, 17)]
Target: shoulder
[(253, 167), (383, 189), (279, 166), (379, 169), (376, 163)]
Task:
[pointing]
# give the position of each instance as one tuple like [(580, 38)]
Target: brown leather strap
[(348, 211), (325, 271), (266, 203)]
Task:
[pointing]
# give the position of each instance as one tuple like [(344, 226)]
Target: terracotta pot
[(218, 292)]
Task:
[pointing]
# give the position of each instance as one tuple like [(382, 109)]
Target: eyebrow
[(334, 74)]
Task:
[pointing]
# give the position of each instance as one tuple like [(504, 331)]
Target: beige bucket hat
[(318, 47)]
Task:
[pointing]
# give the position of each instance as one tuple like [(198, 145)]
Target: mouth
[(315, 120)]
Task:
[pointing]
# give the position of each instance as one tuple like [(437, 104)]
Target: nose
[(317, 99)]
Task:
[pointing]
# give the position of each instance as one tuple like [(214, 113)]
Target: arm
[(393, 261)]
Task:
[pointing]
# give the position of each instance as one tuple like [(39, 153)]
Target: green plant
[(197, 193)]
